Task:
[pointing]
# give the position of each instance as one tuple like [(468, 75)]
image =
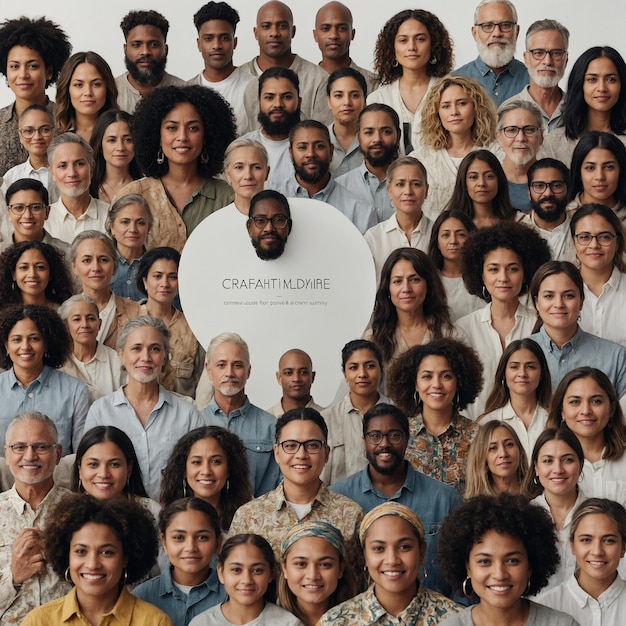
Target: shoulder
[(541, 615), (149, 614)]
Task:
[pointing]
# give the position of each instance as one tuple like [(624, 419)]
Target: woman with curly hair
[(85, 89), (99, 546), (499, 550), (412, 50), (181, 134), (458, 117), (481, 190), (34, 344), (599, 71), (432, 383), (32, 53), (209, 463), (498, 263), (32, 272)]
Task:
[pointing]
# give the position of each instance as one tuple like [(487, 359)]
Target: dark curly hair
[(440, 46), (433, 245), (464, 363), (42, 35), (216, 11), (237, 490), (507, 514), (59, 287), (133, 525), (532, 250), (144, 18), (217, 117), (385, 316), (56, 337)]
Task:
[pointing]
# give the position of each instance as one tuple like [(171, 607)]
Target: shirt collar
[(242, 410), (484, 69), (279, 501), (42, 379), (122, 611)]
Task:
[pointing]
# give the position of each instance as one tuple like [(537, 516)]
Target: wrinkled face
[(245, 575), (216, 43), (412, 45), (87, 90), (333, 31), (274, 30), (311, 153), (71, 170), (496, 48), (407, 189), (602, 85), (182, 134), (269, 240), (94, 264), (27, 74), (145, 53), (83, 323), (130, 226), (104, 470), (436, 383), (451, 239), (407, 289), (28, 225), (503, 455), (346, 100), (246, 172), (547, 72), (228, 369), (206, 470), (295, 375), (362, 372), (522, 148), (42, 127), (143, 355)]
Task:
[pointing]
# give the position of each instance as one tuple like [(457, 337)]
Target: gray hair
[(526, 105), (123, 202), (69, 137), (485, 2), (64, 309), (225, 338), (541, 25), (93, 234), (32, 416), (245, 142), (142, 321)]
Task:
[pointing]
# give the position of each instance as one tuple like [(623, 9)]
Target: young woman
[(412, 50), (361, 364), (392, 536), (314, 577), (555, 467), (432, 383), (595, 593), (448, 236), (459, 116), (209, 463), (85, 89), (190, 536), (497, 462), (247, 569), (521, 392), (499, 550)]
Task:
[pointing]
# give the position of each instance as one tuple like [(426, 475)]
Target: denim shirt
[(123, 281)]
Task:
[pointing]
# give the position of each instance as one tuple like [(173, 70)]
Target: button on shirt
[(123, 281), (365, 185), (257, 429), (344, 161), (63, 225)]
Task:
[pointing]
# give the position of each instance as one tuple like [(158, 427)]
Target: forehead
[(35, 117), (145, 32), (310, 135), (30, 431), (301, 430), (383, 423), (93, 246), (376, 119), (547, 174), (274, 12), (182, 110), (228, 351), (144, 334), (433, 363), (280, 85), (591, 222), (546, 38), (582, 386), (20, 53), (25, 196), (334, 13), (216, 26), (519, 117), (295, 360), (496, 12), (83, 307), (268, 207), (69, 151)]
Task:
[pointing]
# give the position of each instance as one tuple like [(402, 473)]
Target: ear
[(124, 49), (198, 44), (332, 150), (276, 447), (267, 175), (282, 564), (474, 32), (315, 35), (278, 377), (235, 43), (312, 377), (220, 567), (254, 31), (59, 451), (162, 539), (293, 31)]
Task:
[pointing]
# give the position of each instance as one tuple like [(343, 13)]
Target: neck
[(21, 104), (550, 226), (595, 279), (76, 206), (436, 421), (504, 308), (216, 76), (240, 614), (460, 145), (190, 579), (162, 310), (408, 222), (330, 65), (313, 188), (84, 352), (138, 393), (181, 175), (593, 586), (312, 613), (34, 494), (451, 269), (395, 602), (242, 205), (388, 484), (560, 336), (379, 171), (364, 403), (17, 237), (39, 298), (265, 62), (102, 296), (294, 403), (84, 125), (509, 484), (301, 494), (94, 607), (414, 78), (409, 321), (562, 503), (599, 120), (524, 406), (488, 615), (230, 403), (547, 99), (143, 89), (38, 160), (482, 211), (26, 376), (592, 447), (130, 254), (345, 133)]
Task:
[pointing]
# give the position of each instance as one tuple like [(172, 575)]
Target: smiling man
[(269, 224)]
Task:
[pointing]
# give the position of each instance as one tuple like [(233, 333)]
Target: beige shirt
[(128, 97), (64, 226)]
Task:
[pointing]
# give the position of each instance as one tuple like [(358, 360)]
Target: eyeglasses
[(36, 208), (604, 239), (38, 448), (489, 27), (278, 221), (312, 446), (540, 53), (512, 131), (394, 437), (556, 186), (29, 131)]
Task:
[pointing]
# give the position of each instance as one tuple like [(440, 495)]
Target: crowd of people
[(472, 468)]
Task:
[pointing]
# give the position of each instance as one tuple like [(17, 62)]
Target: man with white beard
[(495, 32), (545, 58)]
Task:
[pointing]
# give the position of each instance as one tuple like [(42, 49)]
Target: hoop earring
[(14, 286), (68, 578), (467, 583), (160, 158), (486, 294), (456, 400), (126, 577), (80, 486), (227, 486), (433, 60), (527, 588), (536, 480), (185, 495), (204, 158), (395, 63), (418, 401), (524, 288)]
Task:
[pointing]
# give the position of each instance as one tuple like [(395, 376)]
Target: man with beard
[(389, 477), (495, 32), (145, 55), (269, 224), (312, 152), (228, 368), (71, 163), (519, 132), (378, 132), (279, 111), (548, 180), (545, 58)]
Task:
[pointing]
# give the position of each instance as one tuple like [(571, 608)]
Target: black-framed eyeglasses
[(278, 221), (556, 186), (35, 208), (29, 131), (489, 27), (604, 238), (38, 448), (394, 437), (311, 446), (557, 54), (512, 131)]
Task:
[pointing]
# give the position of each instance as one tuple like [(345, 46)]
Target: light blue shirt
[(123, 281), (63, 398), (518, 192), (170, 419), (430, 499), (344, 161), (181, 608), (257, 429), (365, 185), (584, 350)]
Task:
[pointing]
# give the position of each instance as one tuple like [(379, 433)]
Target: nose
[(312, 573), (92, 559), (29, 454), (104, 470)]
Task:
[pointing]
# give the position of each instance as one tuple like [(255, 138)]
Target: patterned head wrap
[(391, 508), (323, 530)]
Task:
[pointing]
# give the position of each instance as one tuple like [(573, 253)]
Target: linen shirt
[(278, 411), (430, 499), (64, 226), (605, 478), (427, 608), (257, 429), (281, 165), (64, 399), (16, 514), (127, 611), (170, 419), (63, 246), (559, 239), (441, 456), (344, 161), (26, 170), (538, 615), (460, 301), (123, 282), (181, 607), (365, 185), (271, 615), (128, 97), (553, 121)]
